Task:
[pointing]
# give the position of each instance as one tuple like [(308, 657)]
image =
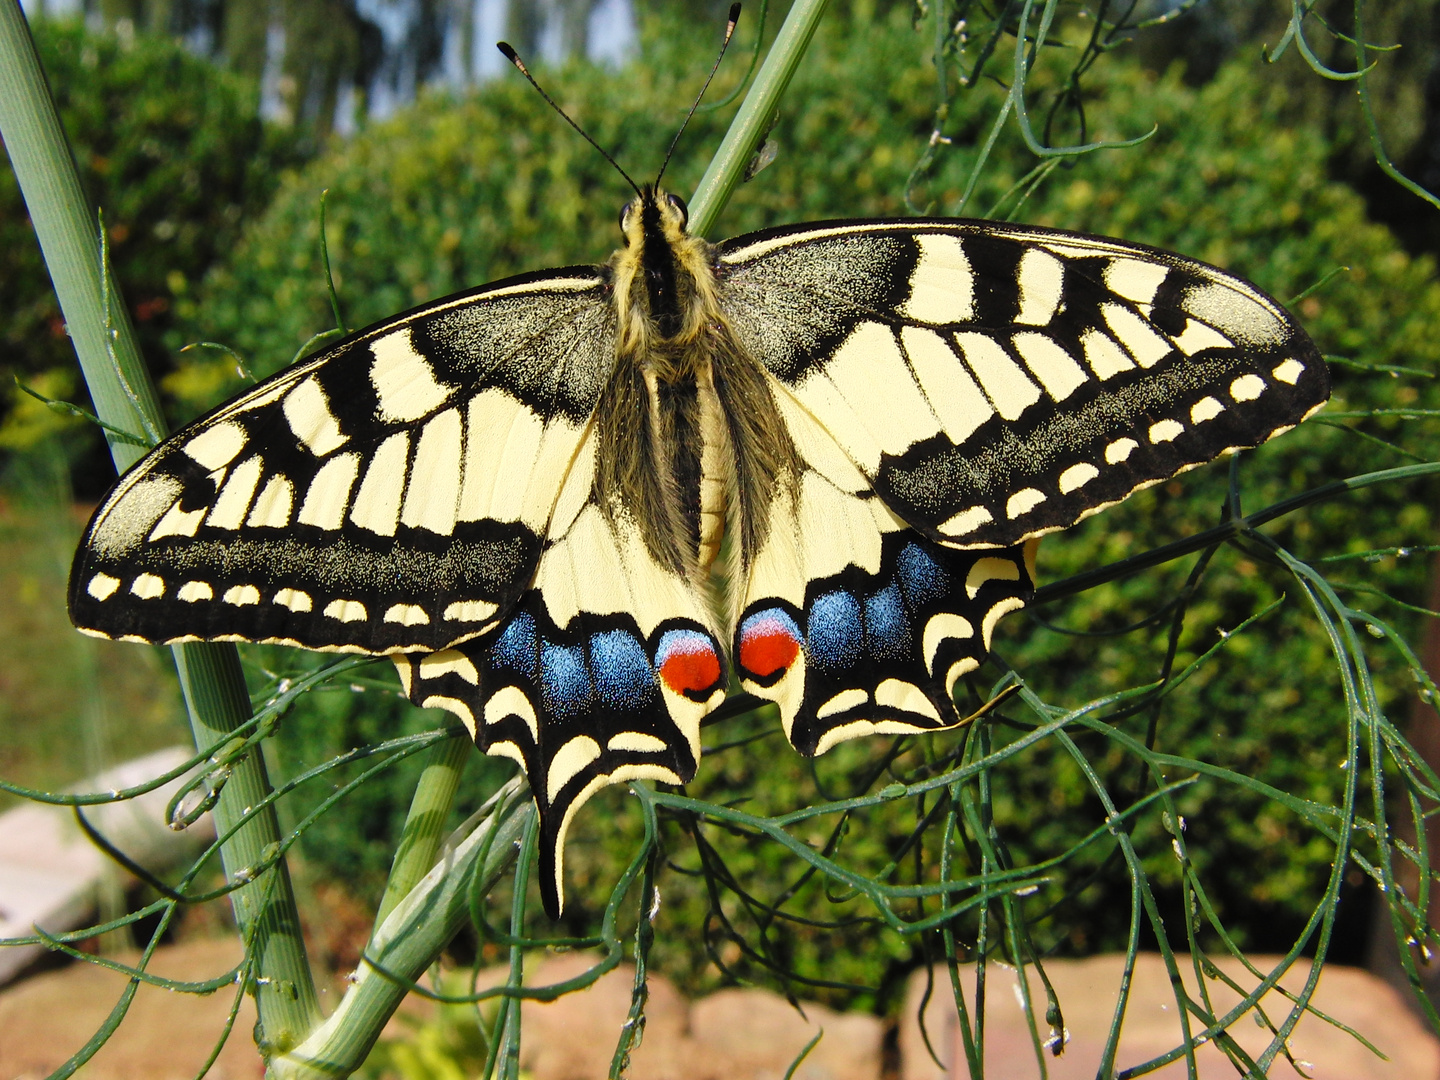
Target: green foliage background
[(455, 193), (171, 148)]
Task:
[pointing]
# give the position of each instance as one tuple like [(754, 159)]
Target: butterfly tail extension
[(597, 702)]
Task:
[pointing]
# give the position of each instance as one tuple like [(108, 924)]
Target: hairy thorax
[(691, 446)]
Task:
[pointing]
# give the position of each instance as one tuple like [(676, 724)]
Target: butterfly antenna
[(729, 33), (514, 58)]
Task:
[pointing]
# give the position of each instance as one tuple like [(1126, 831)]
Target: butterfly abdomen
[(717, 472)]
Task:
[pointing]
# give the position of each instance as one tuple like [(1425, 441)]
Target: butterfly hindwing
[(390, 493), (997, 382), (601, 674), (853, 622), (871, 653)]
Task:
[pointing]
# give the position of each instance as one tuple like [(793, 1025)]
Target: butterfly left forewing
[(997, 382), (390, 493)]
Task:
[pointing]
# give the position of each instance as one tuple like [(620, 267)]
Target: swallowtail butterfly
[(517, 493)]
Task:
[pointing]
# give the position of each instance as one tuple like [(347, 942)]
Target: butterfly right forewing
[(997, 382)]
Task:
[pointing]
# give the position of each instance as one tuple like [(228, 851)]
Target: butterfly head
[(664, 284), (654, 215)]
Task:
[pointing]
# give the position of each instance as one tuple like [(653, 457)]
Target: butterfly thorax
[(664, 280), (689, 442)]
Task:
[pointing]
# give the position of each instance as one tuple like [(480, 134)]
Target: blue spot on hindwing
[(923, 579), (623, 676), (887, 624), (835, 635), (565, 681), (516, 647)]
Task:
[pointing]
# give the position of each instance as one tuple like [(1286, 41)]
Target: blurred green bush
[(171, 149), (354, 844), (453, 193)]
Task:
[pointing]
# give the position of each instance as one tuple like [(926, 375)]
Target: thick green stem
[(757, 113), (124, 398), (408, 942), (215, 695), (68, 230), (425, 824)]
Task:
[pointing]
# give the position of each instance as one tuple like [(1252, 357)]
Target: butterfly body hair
[(685, 394)]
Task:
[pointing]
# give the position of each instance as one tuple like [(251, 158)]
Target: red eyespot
[(769, 643), (688, 662)]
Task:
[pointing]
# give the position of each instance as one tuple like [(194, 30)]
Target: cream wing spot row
[(515, 492)]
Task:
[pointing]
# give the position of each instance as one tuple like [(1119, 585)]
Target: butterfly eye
[(624, 211), (680, 207)]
